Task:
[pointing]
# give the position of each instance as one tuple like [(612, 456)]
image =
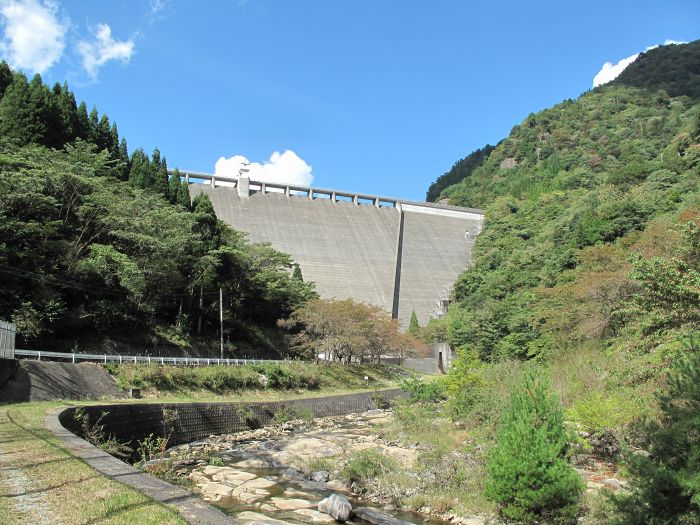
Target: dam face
[(401, 256)]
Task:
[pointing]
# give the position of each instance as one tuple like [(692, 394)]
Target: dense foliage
[(31, 113), (85, 256), (675, 69), (529, 476), (461, 170), (566, 197), (347, 331), (666, 484), (587, 272)]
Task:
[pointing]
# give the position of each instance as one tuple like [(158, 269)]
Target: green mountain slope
[(588, 265), (462, 169)]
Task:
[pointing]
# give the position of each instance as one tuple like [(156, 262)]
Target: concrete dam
[(399, 255)]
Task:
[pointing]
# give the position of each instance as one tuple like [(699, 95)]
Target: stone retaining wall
[(186, 422)]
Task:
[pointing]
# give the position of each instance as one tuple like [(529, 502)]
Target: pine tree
[(159, 169), (413, 326), (68, 111), (174, 186), (83, 129), (103, 134), (666, 485), (124, 162), (93, 129), (296, 274), (140, 171), (5, 77), (17, 115), (183, 194), (528, 474), (114, 142)]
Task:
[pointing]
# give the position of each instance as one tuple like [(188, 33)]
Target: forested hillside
[(462, 169), (99, 249), (589, 255), (586, 277)]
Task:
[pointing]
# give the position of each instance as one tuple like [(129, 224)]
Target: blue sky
[(374, 96)]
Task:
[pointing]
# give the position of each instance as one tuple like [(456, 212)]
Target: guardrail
[(40, 355), (7, 339)]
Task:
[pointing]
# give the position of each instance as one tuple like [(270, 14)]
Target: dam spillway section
[(400, 255)]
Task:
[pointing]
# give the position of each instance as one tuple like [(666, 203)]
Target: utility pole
[(221, 319)]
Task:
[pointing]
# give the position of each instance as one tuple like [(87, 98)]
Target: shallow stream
[(266, 471)]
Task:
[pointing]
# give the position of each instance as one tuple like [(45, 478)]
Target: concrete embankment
[(44, 381)]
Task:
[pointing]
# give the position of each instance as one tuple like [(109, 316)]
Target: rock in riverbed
[(377, 517), (337, 506)]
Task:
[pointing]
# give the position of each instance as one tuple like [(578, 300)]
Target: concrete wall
[(187, 422), (401, 256)]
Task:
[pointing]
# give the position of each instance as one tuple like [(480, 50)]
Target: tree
[(413, 326), (665, 486), (670, 287), (296, 274), (5, 77), (344, 330), (17, 115), (528, 473)]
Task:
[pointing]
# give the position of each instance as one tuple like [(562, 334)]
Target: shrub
[(596, 411), (151, 447), (529, 476), (666, 485), (366, 465), (423, 391)]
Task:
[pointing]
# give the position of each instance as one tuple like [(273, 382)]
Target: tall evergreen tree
[(159, 169), (104, 134), (114, 142), (5, 77), (124, 162), (413, 326), (296, 273), (17, 115), (82, 130), (174, 186), (140, 171), (94, 127), (183, 194)]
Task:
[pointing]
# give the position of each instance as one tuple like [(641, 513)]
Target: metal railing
[(41, 355), (7, 339)]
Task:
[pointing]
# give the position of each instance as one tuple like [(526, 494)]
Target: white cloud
[(611, 71), (282, 168), (156, 6), (103, 48), (34, 36)]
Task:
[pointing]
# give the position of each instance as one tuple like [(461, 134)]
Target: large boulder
[(337, 506)]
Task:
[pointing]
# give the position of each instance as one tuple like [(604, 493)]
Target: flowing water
[(279, 492)]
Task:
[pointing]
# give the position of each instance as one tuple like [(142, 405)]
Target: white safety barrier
[(41, 355)]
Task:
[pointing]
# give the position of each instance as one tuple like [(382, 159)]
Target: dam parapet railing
[(246, 187)]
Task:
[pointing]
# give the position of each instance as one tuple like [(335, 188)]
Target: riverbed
[(269, 474)]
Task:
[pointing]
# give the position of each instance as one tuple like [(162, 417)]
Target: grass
[(39, 477), (451, 466), (42, 481), (192, 383)]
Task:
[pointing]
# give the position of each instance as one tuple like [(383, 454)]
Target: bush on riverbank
[(156, 379)]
